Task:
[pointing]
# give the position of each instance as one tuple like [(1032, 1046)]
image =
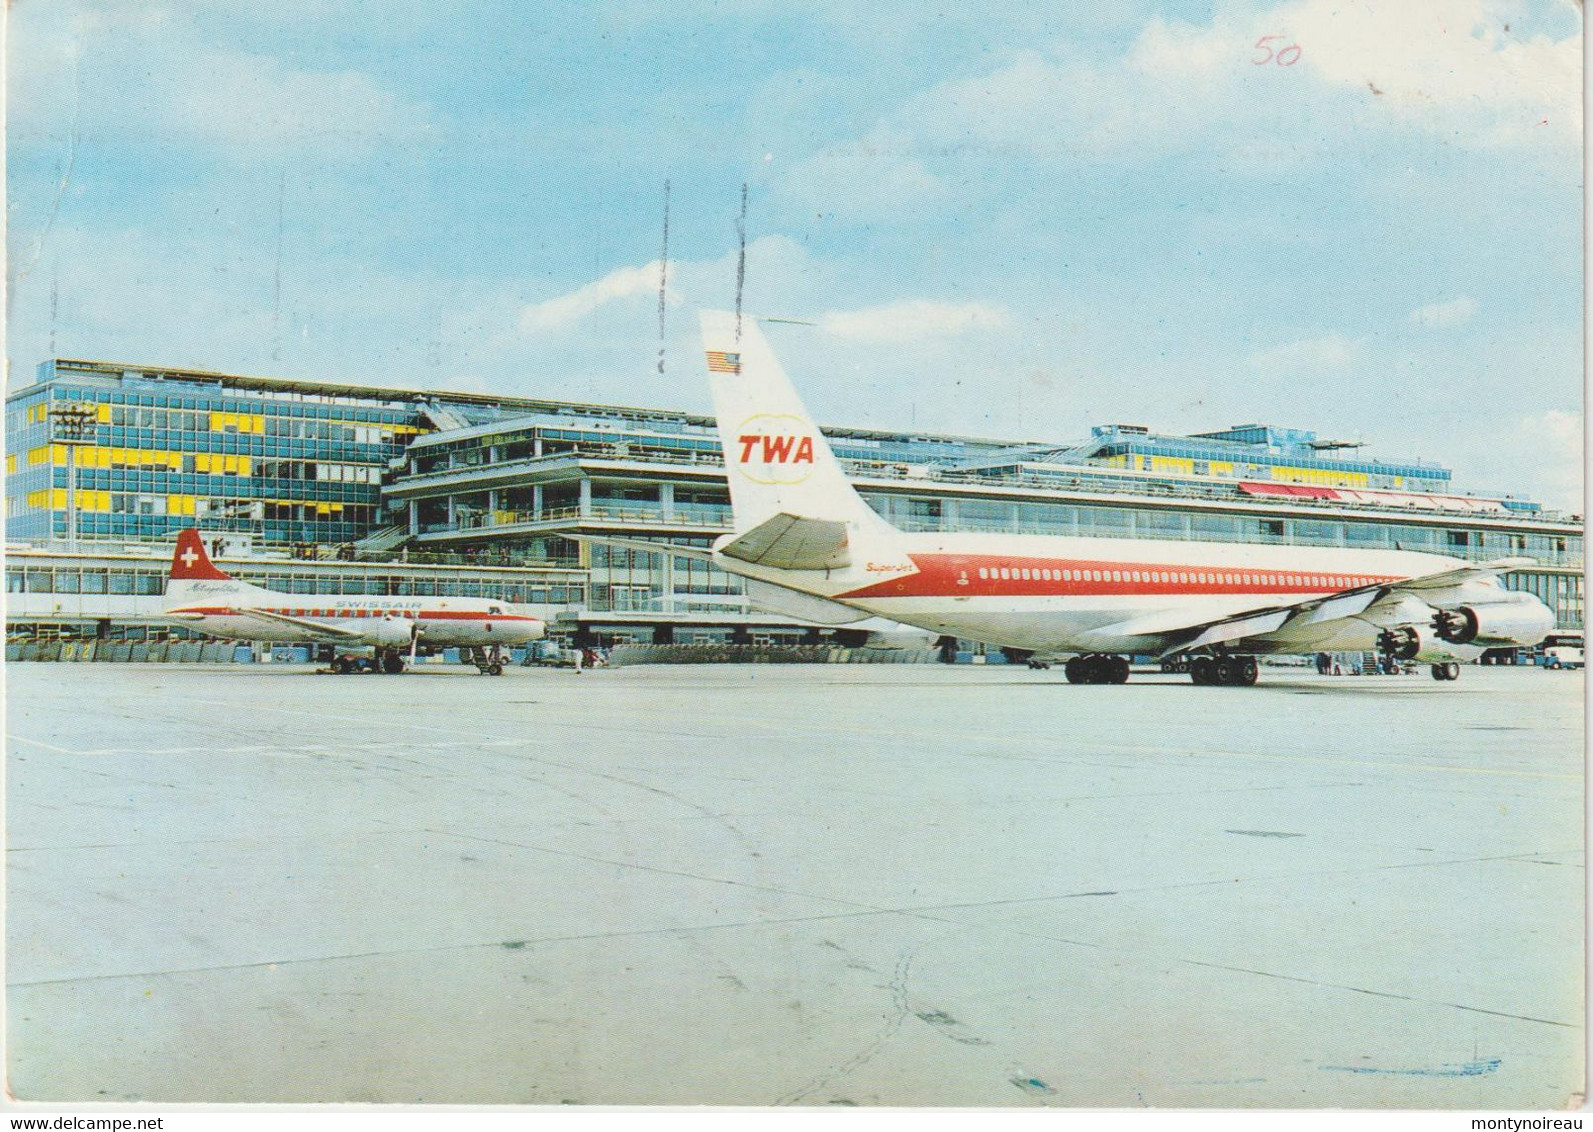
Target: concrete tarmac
[(788, 885)]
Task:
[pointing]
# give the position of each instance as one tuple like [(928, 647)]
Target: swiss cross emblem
[(189, 558)]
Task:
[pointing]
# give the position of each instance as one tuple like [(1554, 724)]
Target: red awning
[(1294, 489)]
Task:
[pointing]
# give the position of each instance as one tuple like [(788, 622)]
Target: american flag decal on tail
[(721, 362)]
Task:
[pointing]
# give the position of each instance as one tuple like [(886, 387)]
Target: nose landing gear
[(488, 660)]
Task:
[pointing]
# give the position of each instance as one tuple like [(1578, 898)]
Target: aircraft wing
[(1262, 624), (319, 629)]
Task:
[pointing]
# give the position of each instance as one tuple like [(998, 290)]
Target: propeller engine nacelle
[(1523, 620), (396, 632)]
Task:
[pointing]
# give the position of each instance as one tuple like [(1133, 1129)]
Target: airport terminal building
[(315, 487)]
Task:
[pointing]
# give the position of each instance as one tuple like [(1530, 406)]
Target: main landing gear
[(390, 661), (1450, 671), (488, 661), (1238, 671), (1097, 668)]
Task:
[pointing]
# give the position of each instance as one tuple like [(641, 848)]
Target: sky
[(1009, 220)]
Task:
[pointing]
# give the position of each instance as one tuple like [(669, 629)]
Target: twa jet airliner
[(809, 546), (213, 602)]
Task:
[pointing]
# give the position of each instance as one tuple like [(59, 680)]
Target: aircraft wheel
[(1076, 670), (1450, 671), (1223, 672), (340, 665), (1203, 670), (494, 669), (1246, 672), (1117, 669), (392, 664)]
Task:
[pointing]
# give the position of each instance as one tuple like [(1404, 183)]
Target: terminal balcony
[(596, 518)]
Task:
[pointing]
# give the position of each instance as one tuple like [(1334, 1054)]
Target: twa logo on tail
[(773, 448)]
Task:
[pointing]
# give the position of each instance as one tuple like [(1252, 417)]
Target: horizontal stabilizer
[(805, 607), (787, 542)]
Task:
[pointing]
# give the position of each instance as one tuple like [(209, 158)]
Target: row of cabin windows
[(1047, 574)]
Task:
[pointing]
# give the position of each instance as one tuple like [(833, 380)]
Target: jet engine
[(1405, 643), (396, 632), (1523, 620), (1420, 642)]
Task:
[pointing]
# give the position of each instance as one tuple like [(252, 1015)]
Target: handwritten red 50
[(1279, 56)]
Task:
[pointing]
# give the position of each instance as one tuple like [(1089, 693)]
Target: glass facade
[(173, 450)]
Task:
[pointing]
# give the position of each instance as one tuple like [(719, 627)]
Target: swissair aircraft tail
[(194, 576)]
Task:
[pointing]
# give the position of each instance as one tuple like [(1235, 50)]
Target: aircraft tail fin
[(776, 459), (193, 574)]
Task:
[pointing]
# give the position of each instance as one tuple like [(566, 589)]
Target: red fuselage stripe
[(963, 575)]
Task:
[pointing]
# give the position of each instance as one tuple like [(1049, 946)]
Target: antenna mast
[(741, 257), (663, 280)]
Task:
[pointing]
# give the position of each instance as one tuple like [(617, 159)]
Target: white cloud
[(1445, 69), (148, 73), (621, 283), (1330, 351), (911, 320), (874, 177), (1561, 456), (780, 277), (1450, 68), (1538, 456), (1457, 312)]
